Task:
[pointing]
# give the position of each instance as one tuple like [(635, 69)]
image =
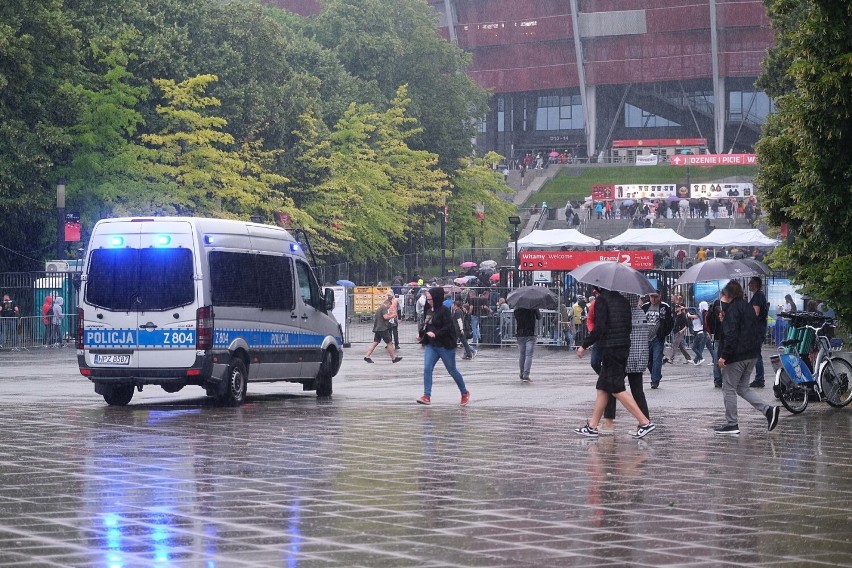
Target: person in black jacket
[(525, 335), (611, 334), (437, 334), (738, 352)]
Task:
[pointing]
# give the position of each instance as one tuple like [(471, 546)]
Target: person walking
[(462, 319), (381, 331), (713, 327), (478, 309), (681, 326), (438, 337), (56, 320), (394, 321), (637, 361), (738, 352), (699, 340), (761, 309), (525, 319), (9, 314), (46, 316), (613, 325), (660, 317)]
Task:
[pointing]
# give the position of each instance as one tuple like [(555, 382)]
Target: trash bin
[(551, 214)]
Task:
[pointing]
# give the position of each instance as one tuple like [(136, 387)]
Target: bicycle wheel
[(794, 397), (835, 381)]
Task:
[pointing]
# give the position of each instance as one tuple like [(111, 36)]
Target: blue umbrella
[(346, 283)]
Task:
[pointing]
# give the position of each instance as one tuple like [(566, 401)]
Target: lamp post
[(444, 214), (60, 218), (516, 222)]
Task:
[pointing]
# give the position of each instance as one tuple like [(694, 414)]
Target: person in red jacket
[(46, 315)]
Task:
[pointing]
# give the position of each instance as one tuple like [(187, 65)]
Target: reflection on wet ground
[(284, 481)]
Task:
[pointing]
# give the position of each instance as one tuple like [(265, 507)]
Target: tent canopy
[(557, 238), (735, 237), (648, 237)]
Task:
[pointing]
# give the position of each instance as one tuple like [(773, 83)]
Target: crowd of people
[(643, 212), (14, 328)]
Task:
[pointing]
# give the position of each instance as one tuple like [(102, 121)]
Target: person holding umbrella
[(613, 324)]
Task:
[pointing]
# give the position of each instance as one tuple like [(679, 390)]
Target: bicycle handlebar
[(807, 319)]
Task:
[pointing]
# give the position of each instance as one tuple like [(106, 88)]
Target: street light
[(516, 222), (60, 218)]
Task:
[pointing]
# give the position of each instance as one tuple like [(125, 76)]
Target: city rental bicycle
[(796, 381)]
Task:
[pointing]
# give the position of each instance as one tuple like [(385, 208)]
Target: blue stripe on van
[(124, 338), (266, 339)]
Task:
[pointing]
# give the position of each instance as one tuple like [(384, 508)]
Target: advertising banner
[(602, 192), (571, 259), (645, 191), (646, 160), (722, 190), (366, 299), (72, 227), (714, 160)]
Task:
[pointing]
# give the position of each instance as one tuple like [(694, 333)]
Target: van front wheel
[(324, 376), (236, 384), (118, 395)]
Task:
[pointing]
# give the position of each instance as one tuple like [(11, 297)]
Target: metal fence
[(29, 332)]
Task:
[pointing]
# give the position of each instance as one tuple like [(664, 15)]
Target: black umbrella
[(611, 275), (532, 297), (716, 269)]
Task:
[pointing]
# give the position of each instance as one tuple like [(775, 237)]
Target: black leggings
[(635, 380)]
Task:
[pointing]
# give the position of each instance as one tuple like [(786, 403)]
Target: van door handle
[(149, 325), (305, 317), (293, 315)]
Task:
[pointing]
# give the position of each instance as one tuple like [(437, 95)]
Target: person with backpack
[(741, 342)]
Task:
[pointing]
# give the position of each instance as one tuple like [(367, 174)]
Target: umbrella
[(628, 202), (461, 280), (451, 289), (492, 264), (346, 283), (468, 264), (760, 268), (532, 297), (412, 284), (715, 269), (612, 276), (495, 277), (553, 154)]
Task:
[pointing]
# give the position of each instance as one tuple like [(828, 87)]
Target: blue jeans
[(655, 359), (526, 347), (698, 345), (758, 369), (430, 359), (714, 351), (474, 326), (596, 360)]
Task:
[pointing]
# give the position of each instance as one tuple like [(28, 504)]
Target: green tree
[(39, 57), (203, 175), (805, 174), (388, 45)]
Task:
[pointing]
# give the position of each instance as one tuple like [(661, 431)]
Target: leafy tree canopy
[(805, 175)]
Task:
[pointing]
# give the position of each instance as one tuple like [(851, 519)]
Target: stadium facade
[(577, 75)]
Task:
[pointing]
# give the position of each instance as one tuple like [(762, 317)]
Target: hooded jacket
[(741, 335), (47, 310), (57, 311), (613, 321), (438, 319)]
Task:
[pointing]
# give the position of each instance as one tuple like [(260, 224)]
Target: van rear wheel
[(236, 384), (324, 376), (118, 395)]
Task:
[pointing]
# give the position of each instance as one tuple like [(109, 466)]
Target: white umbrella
[(611, 275), (716, 269)]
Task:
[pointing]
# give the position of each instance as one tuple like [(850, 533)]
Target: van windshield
[(139, 280)]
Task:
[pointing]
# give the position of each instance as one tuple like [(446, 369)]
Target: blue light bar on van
[(295, 247), (162, 240), (116, 241), (208, 240)]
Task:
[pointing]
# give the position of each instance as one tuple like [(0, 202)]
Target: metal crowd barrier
[(28, 332)]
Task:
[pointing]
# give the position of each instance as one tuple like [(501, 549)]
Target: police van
[(177, 301)]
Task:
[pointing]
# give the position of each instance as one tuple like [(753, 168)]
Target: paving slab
[(369, 478)]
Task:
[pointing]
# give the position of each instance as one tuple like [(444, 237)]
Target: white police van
[(177, 301)]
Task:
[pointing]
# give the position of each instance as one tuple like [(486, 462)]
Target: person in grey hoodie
[(56, 320)]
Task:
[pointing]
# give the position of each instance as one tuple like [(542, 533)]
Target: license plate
[(112, 359)]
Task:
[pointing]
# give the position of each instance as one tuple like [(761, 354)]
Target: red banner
[(601, 192), (571, 259), (72, 227), (714, 160)]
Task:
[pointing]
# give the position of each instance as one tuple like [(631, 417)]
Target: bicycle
[(794, 380)]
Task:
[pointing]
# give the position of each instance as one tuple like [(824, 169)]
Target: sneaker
[(756, 384), (655, 385), (587, 431), (396, 359), (368, 360), (666, 360), (643, 431), (465, 398), (772, 415), (473, 355), (468, 357), (700, 361), (717, 385), (425, 399), (728, 429), (526, 380)]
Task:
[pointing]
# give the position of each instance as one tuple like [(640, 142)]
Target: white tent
[(735, 237), (648, 237), (557, 238)]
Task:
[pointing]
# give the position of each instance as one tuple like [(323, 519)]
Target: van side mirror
[(329, 300)]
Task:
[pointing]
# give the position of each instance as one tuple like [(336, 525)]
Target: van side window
[(275, 280), (232, 279), (308, 287)]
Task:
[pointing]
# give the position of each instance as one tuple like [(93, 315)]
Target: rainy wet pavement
[(372, 479)]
